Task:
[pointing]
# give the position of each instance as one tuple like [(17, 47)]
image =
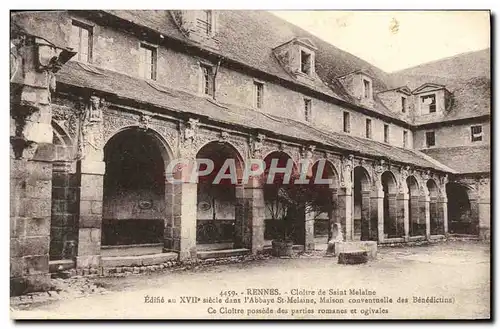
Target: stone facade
[(63, 206)]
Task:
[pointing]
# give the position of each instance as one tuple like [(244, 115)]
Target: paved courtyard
[(446, 280)]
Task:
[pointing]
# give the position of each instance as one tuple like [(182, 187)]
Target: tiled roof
[(142, 91), (463, 159), (236, 39)]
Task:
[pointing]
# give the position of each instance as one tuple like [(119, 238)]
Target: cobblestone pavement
[(459, 270)]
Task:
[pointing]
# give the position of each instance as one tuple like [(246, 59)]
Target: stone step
[(205, 254), (61, 265), (142, 260)]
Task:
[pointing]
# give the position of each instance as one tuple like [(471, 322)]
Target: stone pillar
[(32, 153), (484, 212), (180, 230), (442, 210), (65, 208), (309, 232), (403, 214), (254, 215), (345, 204), (333, 215), (377, 211), (425, 211), (90, 215)]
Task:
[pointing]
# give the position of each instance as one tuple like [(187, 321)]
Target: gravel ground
[(457, 272)]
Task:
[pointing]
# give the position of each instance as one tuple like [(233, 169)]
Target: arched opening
[(393, 228), (364, 228), (282, 222), (460, 217), (324, 220), (417, 222), (217, 226), (134, 190), (64, 203), (436, 222)]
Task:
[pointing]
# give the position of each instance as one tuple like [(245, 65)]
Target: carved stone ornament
[(347, 164), (223, 136), (94, 109), (307, 151), (145, 121), (91, 132), (257, 145), (191, 129)]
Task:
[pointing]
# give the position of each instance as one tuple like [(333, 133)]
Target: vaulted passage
[(461, 218), (217, 226), (365, 228), (328, 196), (393, 225), (134, 190), (416, 208)]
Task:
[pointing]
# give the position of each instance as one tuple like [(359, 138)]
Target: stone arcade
[(92, 138)]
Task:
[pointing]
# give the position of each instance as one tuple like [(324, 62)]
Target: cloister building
[(103, 101)]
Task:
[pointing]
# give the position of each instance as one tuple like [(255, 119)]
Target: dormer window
[(367, 89), (429, 102), (305, 62), (204, 22)]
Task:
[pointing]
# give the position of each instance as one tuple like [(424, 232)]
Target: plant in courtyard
[(293, 204)]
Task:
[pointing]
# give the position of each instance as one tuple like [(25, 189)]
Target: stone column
[(366, 224), (90, 215), (64, 218), (403, 214), (32, 152), (309, 232), (425, 212), (180, 230), (345, 212), (377, 211), (254, 215), (442, 209)]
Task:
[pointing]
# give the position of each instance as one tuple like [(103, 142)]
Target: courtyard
[(448, 280)]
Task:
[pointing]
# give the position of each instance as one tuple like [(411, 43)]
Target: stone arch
[(165, 148), (463, 211), (219, 223), (134, 187), (228, 143), (364, 226), (393, 224)]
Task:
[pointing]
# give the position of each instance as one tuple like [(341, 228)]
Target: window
[(368, 128), (81, 41), (259, 94), (148, 62), (366, 89), (430, 138), (347, 122), (476, 133), (307, 110), (386, 133), (405, 138), (429, 102), (207, 80), (403, 104), (204, 22), (305, 62)]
